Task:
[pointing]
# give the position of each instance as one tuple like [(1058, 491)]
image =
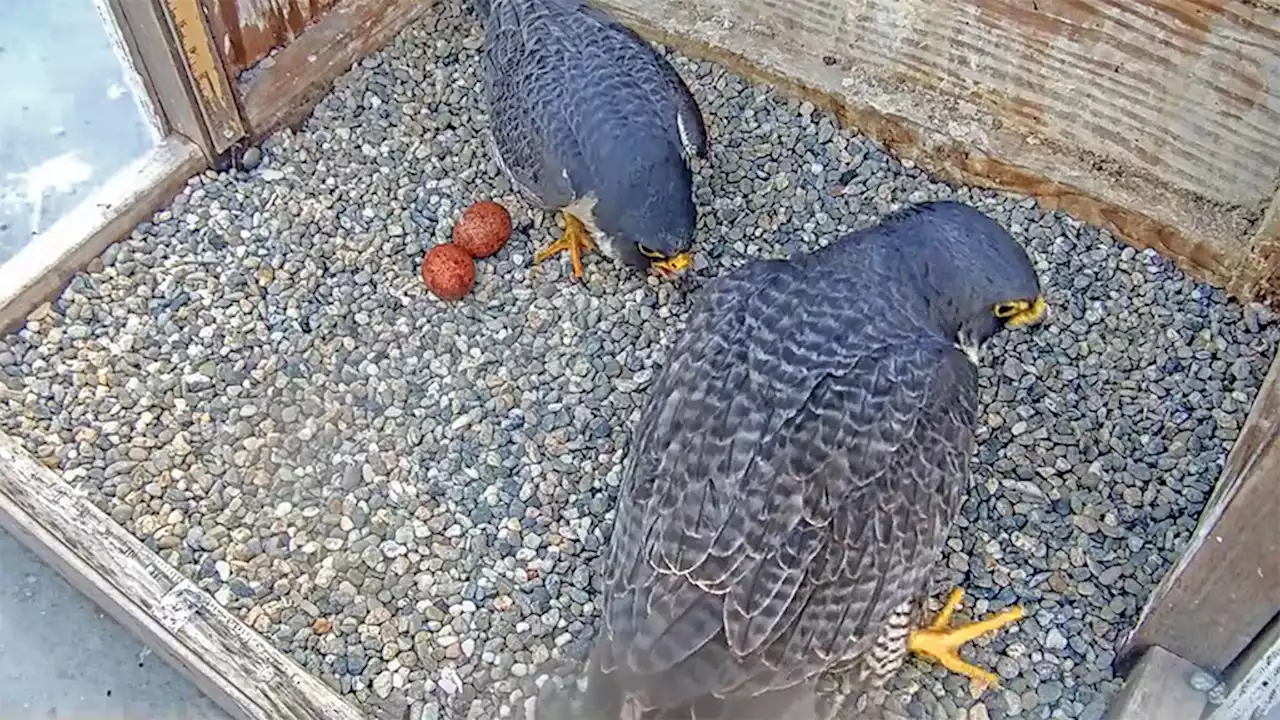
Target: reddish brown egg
[(483, 229), (448, 271)]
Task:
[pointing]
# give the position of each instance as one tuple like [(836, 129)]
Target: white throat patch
[(969, 349)]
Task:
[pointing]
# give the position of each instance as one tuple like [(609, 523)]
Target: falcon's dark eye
[(650, 253), (1006, 310)]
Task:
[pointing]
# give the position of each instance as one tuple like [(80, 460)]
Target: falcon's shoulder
[(783, 494), (526, 49), (659, 81)]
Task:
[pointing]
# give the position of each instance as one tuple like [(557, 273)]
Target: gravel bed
[(409, 497)]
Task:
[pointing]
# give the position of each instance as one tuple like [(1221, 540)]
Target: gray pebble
[(251, 158), (1202, 681)]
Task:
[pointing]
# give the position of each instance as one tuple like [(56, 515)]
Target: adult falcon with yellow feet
[(796, 472), (588, 119)]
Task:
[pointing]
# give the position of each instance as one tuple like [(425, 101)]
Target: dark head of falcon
[(645, 208), (971, 276), (795, 475)]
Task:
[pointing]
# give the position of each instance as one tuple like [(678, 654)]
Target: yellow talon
[(575, 239), (941, 642)]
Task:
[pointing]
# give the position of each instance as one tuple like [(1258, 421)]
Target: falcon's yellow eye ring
[(1006, 310), (651, 253)]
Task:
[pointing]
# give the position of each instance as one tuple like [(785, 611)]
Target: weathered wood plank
[(1266, 251), (1154, 118), (1158, 688), (212, 86), (302, 71), (238, 669), (1254, 680), (41, 269), (151, 49), (1225, 587), (248, 30)]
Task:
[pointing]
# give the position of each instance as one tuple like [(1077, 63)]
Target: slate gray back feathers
[(580, 104), (791, 482)]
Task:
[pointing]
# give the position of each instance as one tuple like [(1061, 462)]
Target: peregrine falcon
[(796, 471), (588, 119)]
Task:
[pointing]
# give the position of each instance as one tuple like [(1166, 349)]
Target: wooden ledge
[(41, 269), (230, 662), (1159, 688)]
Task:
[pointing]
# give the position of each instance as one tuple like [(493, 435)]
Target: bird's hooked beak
[(1022, 313), (666, 266), (673, 265)]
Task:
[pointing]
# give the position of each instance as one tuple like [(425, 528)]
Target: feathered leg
[(859, 694)]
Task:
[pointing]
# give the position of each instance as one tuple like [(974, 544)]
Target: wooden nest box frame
[(1156, 119)]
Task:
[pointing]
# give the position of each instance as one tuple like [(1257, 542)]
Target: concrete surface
[(69, 118), (68, 121), (62, 657)]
